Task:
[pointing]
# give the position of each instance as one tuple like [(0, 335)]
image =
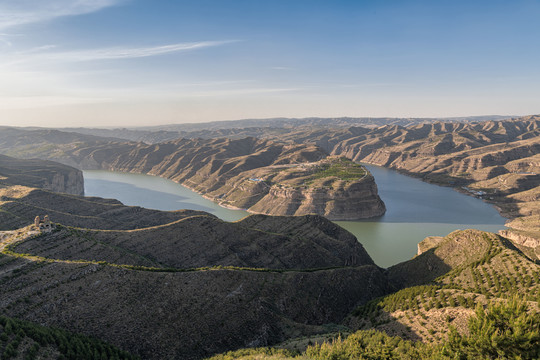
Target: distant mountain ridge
[(252, 127)]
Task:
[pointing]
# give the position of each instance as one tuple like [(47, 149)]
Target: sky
[(148, 62)]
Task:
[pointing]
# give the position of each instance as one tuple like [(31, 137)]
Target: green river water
[(415, 209)]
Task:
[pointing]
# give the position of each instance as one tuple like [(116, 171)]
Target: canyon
[(185, 284)]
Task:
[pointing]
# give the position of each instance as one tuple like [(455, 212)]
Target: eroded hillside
[(262, 176), (498, 161), (185, 284), (179, 284), (42, 174), (470, 294)]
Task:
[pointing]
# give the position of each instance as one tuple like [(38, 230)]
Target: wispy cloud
[(43, 101), (117, 53), (190, 91), (51, 55), (21, 12), (5, 41)]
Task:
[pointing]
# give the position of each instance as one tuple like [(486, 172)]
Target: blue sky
[(141, 62)]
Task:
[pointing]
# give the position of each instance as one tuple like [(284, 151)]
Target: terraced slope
[(184, 286), (19, 205), (465, 269), (471, 295), (180, 314), (202, 241)]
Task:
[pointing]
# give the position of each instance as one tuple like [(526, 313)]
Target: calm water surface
[(415, 209), (151, 192)]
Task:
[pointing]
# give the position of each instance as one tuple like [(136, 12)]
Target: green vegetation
[(404, 299), (342, 168), (500, 273), (494, 272), (505, 330), (255, 353), (369, 344), (25, 340)]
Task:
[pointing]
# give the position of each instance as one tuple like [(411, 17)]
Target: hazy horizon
[(128, 63), (187, 123)]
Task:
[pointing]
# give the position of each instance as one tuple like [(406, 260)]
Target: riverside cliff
[(185, 285), (339, 202), (261, 176), (334, 187), (43, 174)]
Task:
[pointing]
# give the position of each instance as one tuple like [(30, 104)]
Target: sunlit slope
[(478, 300)]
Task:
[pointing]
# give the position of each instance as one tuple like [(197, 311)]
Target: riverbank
[(390, 239)]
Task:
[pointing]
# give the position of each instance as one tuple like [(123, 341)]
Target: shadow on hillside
[(380, 320), (418, 271)]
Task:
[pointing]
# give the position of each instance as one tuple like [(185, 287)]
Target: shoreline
[(366, 236), (457, 188)]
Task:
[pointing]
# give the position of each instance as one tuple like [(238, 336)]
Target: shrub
[(506, 331)]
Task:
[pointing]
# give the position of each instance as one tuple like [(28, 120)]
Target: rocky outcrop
[(71, 182), (343, 201), (42, 174), (262, 176), (429, 242), (526, 241), (333, 187), (520, 239)]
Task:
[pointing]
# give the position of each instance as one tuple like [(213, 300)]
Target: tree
[(503, 330)]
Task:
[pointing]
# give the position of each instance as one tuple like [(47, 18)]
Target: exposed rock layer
[(358, 200), (497, 159), (221, 168), (42, 174)]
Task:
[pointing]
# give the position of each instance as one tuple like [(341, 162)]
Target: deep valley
[(186, 285)]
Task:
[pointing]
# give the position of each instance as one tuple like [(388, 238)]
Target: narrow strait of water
[(414, 209)]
